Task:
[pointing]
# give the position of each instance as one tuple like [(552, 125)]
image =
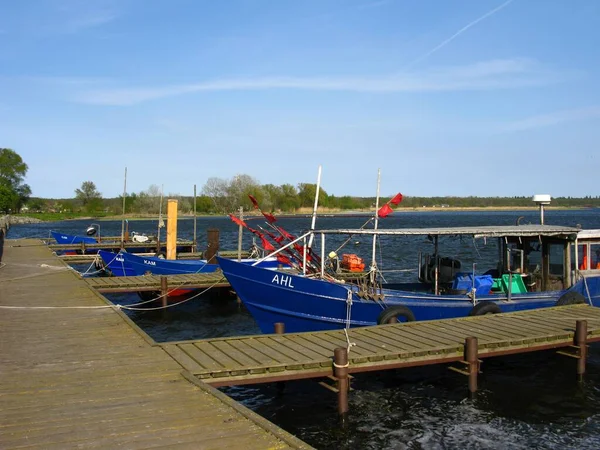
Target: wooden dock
[(75, 372), (267, 358), (108, 285), (89, 258), (115, 246)]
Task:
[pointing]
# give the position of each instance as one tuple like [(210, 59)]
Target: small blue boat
[(64, 238), (537, 268), (128, 264)]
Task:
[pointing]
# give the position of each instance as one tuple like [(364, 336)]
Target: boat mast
[(160, 219), (195, 243), (123, 219), (314, 214), (373, 268)]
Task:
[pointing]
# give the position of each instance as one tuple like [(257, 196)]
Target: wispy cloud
[(494, 74), (554, 118), (457, 34)]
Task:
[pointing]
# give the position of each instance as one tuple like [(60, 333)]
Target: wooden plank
[(223, 359), (308, 350)]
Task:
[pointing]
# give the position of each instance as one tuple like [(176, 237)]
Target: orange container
[(353, 263)]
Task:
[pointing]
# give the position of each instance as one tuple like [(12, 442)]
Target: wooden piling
[(340, 371), (472, 359), (279, 328), (172, 229), (581, 342), (212, 246)]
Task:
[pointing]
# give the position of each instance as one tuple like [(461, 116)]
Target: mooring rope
[(133, 307), (348, 318)]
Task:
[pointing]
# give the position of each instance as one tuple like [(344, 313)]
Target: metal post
[(373, 268), (240, 229), (164, 289), (123, 239), (340, 371), (471, 358), (581, 342), (195, 241)]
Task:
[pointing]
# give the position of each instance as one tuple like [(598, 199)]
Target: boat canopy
[(476, 232), (588, 234)]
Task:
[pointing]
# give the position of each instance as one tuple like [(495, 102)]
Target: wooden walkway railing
[(277, 357)]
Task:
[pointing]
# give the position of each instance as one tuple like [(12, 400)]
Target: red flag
[(397, 199), (237, 221), (266, 244), (270, 217), (254, 201), (289, 236), (384, 211), (283, 259)]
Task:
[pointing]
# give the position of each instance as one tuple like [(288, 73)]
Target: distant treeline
[(224, 199), (221, 196)]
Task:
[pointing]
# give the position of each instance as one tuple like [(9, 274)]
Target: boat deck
[(75, 373), (262, 358)]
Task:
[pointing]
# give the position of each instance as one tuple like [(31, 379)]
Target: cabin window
[(556, 255), (588, 256), (595, 256), (533, 249)]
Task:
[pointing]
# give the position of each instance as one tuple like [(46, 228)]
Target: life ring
[(570, 298), (395, 312), (483, 308)]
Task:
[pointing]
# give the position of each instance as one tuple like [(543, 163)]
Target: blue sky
[(454, 97)]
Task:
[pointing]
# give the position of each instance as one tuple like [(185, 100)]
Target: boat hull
[(306, 304)]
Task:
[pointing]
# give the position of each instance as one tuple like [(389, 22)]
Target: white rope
[(60, 307), (348, 316), (133, 307), (587, 289)]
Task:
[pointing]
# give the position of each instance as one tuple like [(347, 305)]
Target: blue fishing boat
[(128, 264), (538, 266)]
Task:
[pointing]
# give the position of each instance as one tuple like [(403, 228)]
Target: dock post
[(340, 371), (164, 290), (171, 228), (212, 245), (581, 342), (473, 361)]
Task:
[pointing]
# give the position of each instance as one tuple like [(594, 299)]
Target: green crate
[(518, 286)]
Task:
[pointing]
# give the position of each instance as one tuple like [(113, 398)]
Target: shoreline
[(22, 219)]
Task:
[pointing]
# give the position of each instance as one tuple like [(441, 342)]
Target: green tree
[(13, 192), (87, 192), (89, 196)]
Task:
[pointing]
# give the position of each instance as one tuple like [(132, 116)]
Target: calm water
[(526, 401)]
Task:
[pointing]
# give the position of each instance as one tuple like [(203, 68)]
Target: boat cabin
[(530, 258)]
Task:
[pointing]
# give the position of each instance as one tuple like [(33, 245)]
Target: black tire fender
[(396, 311), (570, 298), (483, 308)]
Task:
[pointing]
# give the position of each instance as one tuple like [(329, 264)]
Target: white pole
[(373, 261), (314, 215), (123, 220), (160, 219)]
